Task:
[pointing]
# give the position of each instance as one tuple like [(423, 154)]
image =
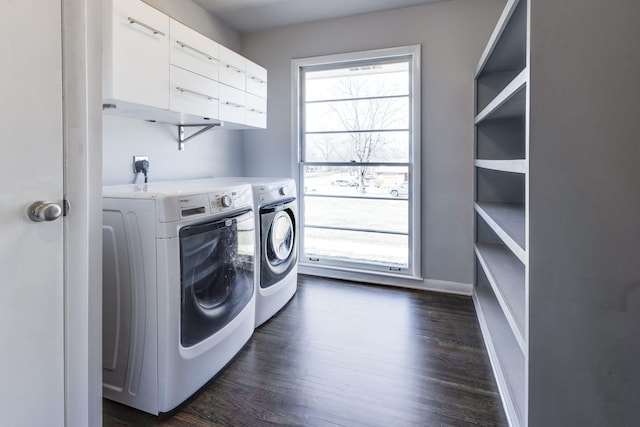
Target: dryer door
[(217, 263), (280, 240), (279, 243)]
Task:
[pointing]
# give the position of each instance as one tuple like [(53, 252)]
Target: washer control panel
[(230, 198)]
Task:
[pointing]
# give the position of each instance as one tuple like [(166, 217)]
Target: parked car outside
[(400, 190), (344, 183)]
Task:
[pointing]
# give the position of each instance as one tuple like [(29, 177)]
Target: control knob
[(282, 191), (226, 201)]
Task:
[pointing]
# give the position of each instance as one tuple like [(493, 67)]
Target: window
[(358, 161)]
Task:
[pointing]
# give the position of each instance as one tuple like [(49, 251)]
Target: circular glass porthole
[(215, 290), (280, 239)]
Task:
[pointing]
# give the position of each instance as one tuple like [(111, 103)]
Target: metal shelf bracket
[(181, 137)]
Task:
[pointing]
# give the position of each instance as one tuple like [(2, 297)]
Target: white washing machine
[(178, 288)]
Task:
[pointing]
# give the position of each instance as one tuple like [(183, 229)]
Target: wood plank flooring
[(346, 354)]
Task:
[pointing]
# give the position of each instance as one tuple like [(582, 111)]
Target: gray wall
[(214, 153), (453, 35), (584, 288)]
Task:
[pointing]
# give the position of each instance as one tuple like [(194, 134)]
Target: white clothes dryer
[(178, 288), (276, 209)]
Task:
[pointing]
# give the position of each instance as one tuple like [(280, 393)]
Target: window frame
[(355, 270)]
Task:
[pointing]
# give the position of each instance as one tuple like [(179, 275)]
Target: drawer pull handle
[(206, 55), (233, 104), (143, 25), (192, 92), (258, 79), (233, 67)]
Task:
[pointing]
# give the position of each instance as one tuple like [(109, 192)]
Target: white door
[(31, 169)]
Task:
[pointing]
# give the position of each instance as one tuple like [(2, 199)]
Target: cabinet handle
[(233, 104), (142, 24), (206, 55), (258, 79), (192, 92), (233, 67), (254, 110)]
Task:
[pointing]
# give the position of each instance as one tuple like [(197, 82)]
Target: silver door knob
[(44, 211)]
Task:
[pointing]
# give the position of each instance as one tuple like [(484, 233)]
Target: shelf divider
[(515, 165)]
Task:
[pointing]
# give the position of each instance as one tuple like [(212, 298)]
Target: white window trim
[(348, 272)]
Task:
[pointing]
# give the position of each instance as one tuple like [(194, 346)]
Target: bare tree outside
[(370, 108)]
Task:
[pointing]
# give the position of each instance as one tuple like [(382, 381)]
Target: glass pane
[(358, 81), (361, 147), (356, 181), (388, 249), (358, 213), (357, 114)]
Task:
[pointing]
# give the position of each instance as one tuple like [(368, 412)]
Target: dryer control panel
[(276, 191)]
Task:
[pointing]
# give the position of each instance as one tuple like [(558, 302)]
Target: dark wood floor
[(345, 354)]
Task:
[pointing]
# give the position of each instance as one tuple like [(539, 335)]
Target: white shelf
[(510, 102), (515, 166), (506, 276), (508, 222), (507, 360)]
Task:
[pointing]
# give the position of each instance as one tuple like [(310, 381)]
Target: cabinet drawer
[(193, 94), (232, 104), (256, 111), (232, 69), (193, 51), (135, 46), (256, 79)]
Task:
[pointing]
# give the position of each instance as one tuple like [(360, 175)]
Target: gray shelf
[(506, 274), (510, 102), (506, 49), (508, 222), (507, 359)]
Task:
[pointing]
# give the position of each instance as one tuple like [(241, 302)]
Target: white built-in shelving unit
[(557, 202), (501, 204)]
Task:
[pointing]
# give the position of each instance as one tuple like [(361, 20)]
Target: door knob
[(44, 211)]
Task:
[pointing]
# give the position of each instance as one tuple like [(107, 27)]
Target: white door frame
[(82, 135)]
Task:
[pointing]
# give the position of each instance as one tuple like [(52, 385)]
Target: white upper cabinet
[(193, 51), (256, 79), (135, 53), (233, 69), (158, 69)]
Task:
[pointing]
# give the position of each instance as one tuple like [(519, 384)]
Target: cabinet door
[(232, 105), (256, 79), (193, 51), (136, 53), (256, 111), (193, 94), (232, 68)]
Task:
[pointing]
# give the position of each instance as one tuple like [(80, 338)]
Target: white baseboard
[(390, 280)]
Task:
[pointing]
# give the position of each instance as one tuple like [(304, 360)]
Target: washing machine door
[(217, 264), (278, 239)]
